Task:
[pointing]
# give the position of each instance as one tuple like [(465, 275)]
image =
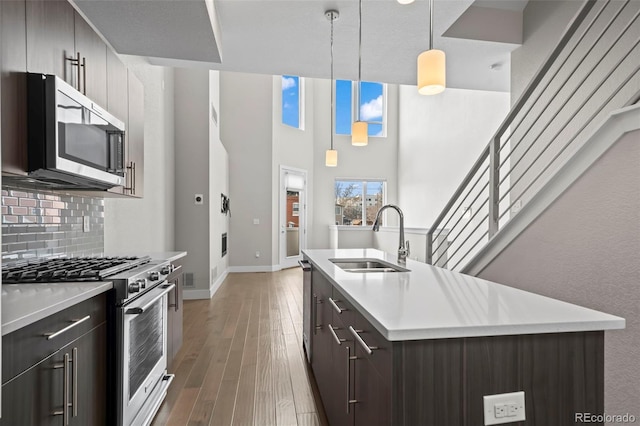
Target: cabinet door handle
[(132, 178), (75, 62), (74, 363), (333, 329), (74, 323), (349, 359), (84, 75), (335, 306), (65, 391), (365, 346), (316, 302)]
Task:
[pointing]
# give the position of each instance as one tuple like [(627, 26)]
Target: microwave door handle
[(141, 309)]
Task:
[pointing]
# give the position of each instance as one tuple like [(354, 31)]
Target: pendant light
[(431, 65), (331, 156), (359, 129)]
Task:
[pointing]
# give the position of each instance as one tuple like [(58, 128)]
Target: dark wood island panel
[(439, 382)]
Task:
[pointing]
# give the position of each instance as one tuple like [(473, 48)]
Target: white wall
[(192, 173), (147, 224), (218, 184), (378, 160), (543, 24), (440, 137), (292, 148), (246, 131)]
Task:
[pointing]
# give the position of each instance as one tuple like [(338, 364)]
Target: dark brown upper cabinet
[(51, 39), (93, 57), (13, 65)]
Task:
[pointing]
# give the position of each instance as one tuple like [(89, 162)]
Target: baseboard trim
[(197, 294), (265, 268), (217, 283)]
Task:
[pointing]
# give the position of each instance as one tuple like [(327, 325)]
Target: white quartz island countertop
[(434, 303)]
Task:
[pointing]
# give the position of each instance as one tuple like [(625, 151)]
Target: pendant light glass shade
[(431, 72), (331, 158), (405, 1), (359, 133)]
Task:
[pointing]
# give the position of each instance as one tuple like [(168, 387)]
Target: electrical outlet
[(514, 409), (504, 408)]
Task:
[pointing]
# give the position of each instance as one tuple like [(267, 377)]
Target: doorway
[(293, 226)]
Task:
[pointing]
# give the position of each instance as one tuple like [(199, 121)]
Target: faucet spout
[(403, 247)]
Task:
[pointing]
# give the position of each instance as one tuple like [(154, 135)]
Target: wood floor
[(242, 362)]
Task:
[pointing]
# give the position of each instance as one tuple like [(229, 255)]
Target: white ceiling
[(292, 36)]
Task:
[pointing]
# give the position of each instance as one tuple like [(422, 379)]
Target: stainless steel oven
[(141, 309), (138, 325), (142, 365)]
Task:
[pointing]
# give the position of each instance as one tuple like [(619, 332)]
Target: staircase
[(577, 106)]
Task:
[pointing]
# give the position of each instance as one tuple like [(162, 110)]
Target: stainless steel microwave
[(72, 142)]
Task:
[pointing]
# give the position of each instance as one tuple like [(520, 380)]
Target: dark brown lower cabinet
[(68, 385), (363, 379)]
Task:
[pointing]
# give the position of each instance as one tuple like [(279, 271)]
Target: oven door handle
[(140, 309)]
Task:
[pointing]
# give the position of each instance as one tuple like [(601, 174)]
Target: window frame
[(363, 195), (301, 102), (354, 102), (355, 95)]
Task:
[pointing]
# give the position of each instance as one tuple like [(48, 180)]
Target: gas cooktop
[(66, 269)]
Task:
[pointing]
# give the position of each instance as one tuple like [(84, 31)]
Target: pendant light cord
[(332, 19), (430, 24), (359, 59)]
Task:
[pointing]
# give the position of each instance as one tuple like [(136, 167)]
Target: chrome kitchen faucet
[(403, 246)]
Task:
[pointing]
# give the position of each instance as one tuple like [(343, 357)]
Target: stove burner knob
[(142, 282), (166, 270), (154, 276), (134, 287)]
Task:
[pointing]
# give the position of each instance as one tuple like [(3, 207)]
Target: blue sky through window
[(291, 101), (371, 107)]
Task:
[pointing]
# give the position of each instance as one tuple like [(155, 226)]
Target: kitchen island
[(425, 346)]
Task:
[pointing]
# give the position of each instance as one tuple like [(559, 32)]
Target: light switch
[(256, 221)]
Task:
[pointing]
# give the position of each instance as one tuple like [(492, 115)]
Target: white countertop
[(435, 303), (24, 304)]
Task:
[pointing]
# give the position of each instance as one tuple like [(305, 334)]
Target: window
[(372, 106), (358, 201), (292, 101)]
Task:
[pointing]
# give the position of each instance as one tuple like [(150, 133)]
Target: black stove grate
[(67, 269)]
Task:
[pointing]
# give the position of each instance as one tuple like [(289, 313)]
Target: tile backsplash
[(49, 224)]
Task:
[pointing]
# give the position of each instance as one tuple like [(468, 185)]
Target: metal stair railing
[(593, 70)]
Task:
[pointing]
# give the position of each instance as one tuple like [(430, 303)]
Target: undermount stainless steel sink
[(366, 265)]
